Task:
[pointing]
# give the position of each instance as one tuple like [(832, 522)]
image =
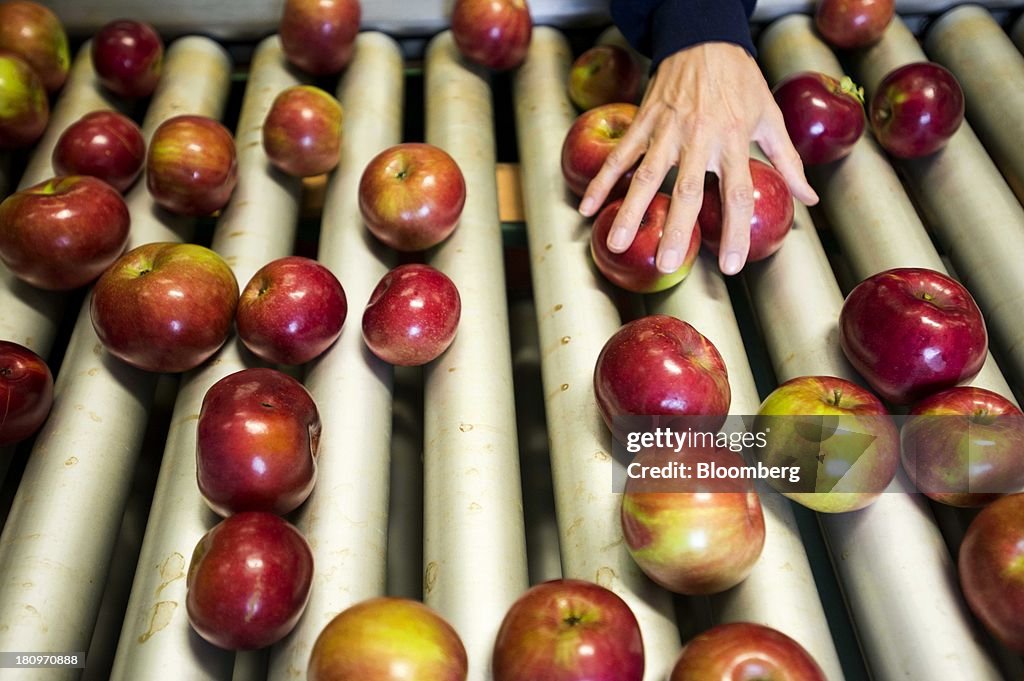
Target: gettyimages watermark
[(943, 456)]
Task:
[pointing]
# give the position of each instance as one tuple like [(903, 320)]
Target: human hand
[(703, 107)]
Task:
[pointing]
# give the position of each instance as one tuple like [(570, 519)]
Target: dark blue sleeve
[(660, 28)]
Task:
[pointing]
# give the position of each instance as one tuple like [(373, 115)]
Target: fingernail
[(619, 240), (587, 206), (733, 263), (670, 261)]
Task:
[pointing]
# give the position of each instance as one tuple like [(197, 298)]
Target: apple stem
[(837, 396), (852, 89)]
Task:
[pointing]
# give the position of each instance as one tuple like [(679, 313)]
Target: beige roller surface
[(345, 519), (780, 591), (474, 538), (891, 560), (969, 42), (258, 226), (56, 546), (575, 317), (970, 208)]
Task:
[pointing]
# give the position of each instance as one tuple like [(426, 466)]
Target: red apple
[(256, 443), (744, 650), (24, 108), (165, 307), (698, 535), (569, 630), (824, 116), (103, 144), (412, 316), (291, 311), (128, 57), (661, 366), (63, 233), (191, 168), (916, 109), (847, 24), (911, 332), (318, 36), (963, 446), (837, 437), (635, 269), (411, 196), (772, 218), (991, 575), (33, 32), (388, 639), (302, 131), (26, 392), (492, 33), (249, 581), (591, 138), (604, 74)]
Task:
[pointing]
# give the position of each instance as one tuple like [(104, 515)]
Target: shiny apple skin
[(744, 650), (63, 233), (916, 109), (36, 34), (249, 581), (128, 56), (991, 563), (906, 346), (591, 138), (411, 196), (26, 391), (102, 144), (604, 74), (192, 167), (257, 443), (772, 218), (849, 24), (824, 116), (492, 33), (635, 269), (24, 108), (388, 639), (569, 630), (165, 307), (962, 446), (851, 465), (661, 366), (302, 131), (291, 311), (318, 36), (693, 537), (412, 315)]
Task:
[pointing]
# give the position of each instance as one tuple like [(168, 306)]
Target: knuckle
[(741, 197), (688, 190), (645, 175), (616, 159)]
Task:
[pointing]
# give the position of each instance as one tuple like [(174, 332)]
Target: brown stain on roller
[(605, 577), (565, 340), (163, 612), (465, 427), (171, 570), (430, 576), (71, 461)]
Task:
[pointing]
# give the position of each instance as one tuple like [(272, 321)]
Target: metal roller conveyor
[(345, 519), (969, 42), (258, 226), (970, 208), (893, 564), (29, 315), (56, 545), (575, 317), (474, 538), (780, 591)]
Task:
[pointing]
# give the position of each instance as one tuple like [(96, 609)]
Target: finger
[(645, 184), (687, 197), (775, 142), (631, 147), (737, 192)]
